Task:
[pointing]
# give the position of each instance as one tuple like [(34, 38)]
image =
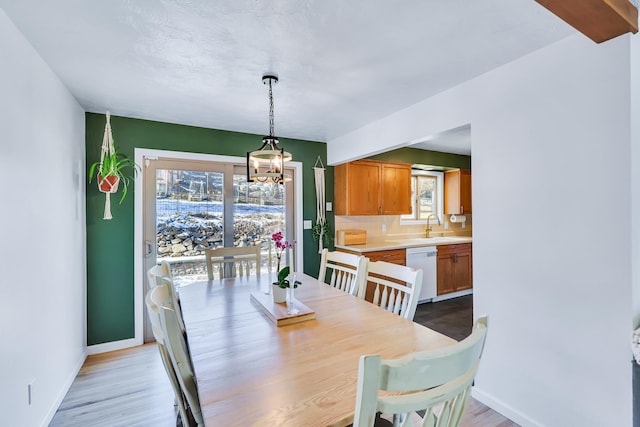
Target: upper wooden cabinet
[(367, 187), (457, 192)]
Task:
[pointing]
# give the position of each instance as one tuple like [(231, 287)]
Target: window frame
[(439, 176)]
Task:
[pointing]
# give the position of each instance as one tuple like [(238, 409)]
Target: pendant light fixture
[(266, 164)]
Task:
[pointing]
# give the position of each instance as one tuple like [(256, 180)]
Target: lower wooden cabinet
[(454, 268), (395, 256)]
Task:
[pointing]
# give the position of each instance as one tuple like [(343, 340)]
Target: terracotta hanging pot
[(109, 183)]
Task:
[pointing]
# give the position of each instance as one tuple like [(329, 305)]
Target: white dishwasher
[(424, 257)]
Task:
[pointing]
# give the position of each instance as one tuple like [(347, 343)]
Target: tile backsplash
[(374, 225)]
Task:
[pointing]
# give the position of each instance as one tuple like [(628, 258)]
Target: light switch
[(329, 206), (306, 224)]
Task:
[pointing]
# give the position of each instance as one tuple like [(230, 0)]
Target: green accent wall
[(110, 256), (425, 157)]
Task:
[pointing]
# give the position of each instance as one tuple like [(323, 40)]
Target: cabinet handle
[(461, 209)]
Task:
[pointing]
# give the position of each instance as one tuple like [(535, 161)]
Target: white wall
[(42, 309), (635, 175), (552, 222)]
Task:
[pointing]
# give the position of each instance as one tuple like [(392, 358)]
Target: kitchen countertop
[(403, 243)]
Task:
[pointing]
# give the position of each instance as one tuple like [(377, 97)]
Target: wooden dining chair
[(343, 270), (153, 298), (178, 351), (232, 262), (396, 287), (437, 381)]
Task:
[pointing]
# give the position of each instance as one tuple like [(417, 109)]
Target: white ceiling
[(342, 64)]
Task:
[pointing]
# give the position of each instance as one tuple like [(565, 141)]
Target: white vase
[(279, 294)]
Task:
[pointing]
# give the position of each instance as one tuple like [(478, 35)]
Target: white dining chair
[(396, 287), (437, 381), (161, 293), (174, 298), (232, 262), (178, 351), (344, 271), (162, 269)]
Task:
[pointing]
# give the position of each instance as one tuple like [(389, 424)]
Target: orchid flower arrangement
[(281, 246)]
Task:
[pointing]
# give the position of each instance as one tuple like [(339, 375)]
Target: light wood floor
[(129, 388)]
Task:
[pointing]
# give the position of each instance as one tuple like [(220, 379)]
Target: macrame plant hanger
[(107, 183), (318, 173)]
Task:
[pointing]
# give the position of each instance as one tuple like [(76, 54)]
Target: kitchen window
[(426, 197)]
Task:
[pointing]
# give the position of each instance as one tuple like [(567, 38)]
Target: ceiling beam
[(600, 20)]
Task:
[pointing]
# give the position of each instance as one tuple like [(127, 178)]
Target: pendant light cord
[(271, 121)]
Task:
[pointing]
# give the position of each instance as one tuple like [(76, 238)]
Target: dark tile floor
[(453, 317)]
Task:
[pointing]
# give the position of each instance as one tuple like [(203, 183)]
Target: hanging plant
[(321, 232), (111, 170)]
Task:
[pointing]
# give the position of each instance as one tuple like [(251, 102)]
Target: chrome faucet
[(428, 229)]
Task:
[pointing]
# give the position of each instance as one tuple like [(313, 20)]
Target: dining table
[(251, 372)]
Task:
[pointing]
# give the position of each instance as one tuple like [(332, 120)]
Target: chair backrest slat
[(396, 287), (232, 262), (346, 271), (163, 269), (174, 299)]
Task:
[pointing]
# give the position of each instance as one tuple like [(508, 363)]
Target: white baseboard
[(112, 346), (64, 390), (452, 295), (504, 409)]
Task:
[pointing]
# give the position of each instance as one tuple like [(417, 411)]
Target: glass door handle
[(148, 248)]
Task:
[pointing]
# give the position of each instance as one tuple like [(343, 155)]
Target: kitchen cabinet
[(454, 268), (395, 256), (457, 192), (367, 187)]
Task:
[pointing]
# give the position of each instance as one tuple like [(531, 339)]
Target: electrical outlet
[(384, 228), (306, 224), (329, 206), (464, 224), (446, 225)]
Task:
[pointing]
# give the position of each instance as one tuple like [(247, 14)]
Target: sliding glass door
[(190, 206)]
